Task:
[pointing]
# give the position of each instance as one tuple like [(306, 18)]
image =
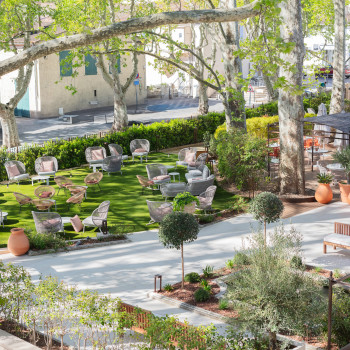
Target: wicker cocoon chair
[(44, 192), (95, 154), (158, 173), (46, 165), (98, 216), (201, 160), (93, 179), (206, 198), (112, 164), (157, 210), (47, 222), (16, 171), (117, 150), (139, 148)]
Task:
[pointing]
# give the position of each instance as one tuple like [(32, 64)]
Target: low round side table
[(174, 174)]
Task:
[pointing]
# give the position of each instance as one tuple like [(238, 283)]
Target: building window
[(66, 69), (180, 35), (315, 47), (118, 66), (90, 65)]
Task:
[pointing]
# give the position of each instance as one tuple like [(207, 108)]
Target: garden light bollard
[(155, 283)]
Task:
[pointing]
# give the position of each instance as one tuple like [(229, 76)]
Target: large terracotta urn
[(324, 193), (344, 192), (18, 243)]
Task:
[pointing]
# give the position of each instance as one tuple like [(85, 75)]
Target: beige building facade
[(47, 95)]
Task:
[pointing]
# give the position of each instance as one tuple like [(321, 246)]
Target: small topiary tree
[(176, 229), (266, 207)]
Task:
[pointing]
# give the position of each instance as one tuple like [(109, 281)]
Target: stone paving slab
[(10, 342)]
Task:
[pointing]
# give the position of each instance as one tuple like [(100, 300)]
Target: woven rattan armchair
[(158, 173), (22, 199), (63, 182), (139, 148), (46, 166), (98, 216), (206, 198), (196, 187), (117, 150), (44, 192), (182, 156), (95, 154), (76, 199), (47, 222), (158, 210), (16, 171), (112, 164), (201, 160), (93, 179), (145, 183), (43, 204), (75, 189)]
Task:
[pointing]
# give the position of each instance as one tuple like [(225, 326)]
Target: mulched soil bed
[(85, 241), (23, 333), (186, 294)]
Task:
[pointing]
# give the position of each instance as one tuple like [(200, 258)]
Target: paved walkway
[(127, 270), (156, 110)]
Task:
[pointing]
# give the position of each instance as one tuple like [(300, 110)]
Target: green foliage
[(208, 271), (324, 178), (336, 273), (161, 135), (192, 277), (206, 286), (268, 109), (229, 264), (314, 102), (241, 259), (205, 218), (178, 228), (201, 295), (343, 157), (341, 318), (241, 158), (317, 269), (267, 294), (183, 199), (168, 287), (40, 241), (240, 204), (297, 262), (223, 304), (266, 207)]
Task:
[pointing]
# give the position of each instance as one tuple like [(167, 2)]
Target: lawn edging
[(79, 247)]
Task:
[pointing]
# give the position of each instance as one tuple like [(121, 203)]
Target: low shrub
[(168, 287), (192, 277), (229, 264), (39, 241), (206, 286), (223, 304), (205, 219), (241, 259), (201, 295), (208, 271), (296, 262)]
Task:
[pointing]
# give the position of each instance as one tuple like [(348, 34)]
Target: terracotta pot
[(324, 193), (344, 192), (190, 208), (18, 243)]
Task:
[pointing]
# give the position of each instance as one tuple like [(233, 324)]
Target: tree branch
[(126, 27)]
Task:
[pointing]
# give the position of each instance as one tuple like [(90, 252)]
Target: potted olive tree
[(176, 229), (324, 192), (266, 207), (185, 202)]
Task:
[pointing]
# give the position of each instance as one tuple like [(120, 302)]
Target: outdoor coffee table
[(174, 174), (41, 178), (169, 167), (66, 220)]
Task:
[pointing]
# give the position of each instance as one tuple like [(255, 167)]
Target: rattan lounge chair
[(112, 164), (16, 171), (158, 210), (201, 160), (76, 199), (44, 192), (117, 150), (95, 155), (98, 216), (145, 183), (93, 179), (46, 166), (139, 148), (183, 153), (206, 198), (47, 222), (158, 173), (22, 199)]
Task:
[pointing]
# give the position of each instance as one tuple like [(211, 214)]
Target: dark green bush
[(241, 259), (201, 295), (192, 277), (40, 241), (296, 262), (161, 135)]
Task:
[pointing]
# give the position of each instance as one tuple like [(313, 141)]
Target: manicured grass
[(128, 206)]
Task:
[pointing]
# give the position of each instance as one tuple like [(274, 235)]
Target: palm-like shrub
[(176, 229), (343, 157)]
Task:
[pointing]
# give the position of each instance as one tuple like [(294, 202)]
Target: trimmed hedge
[(257, 126), (161, 135)]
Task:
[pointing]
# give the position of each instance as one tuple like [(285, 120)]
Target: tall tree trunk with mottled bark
[(290, 103), (203, 103), (338, 87), (10, 136)]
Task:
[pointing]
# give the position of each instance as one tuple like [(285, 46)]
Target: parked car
[(325, 71)]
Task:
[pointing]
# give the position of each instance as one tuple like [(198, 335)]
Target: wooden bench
[(339, 239)]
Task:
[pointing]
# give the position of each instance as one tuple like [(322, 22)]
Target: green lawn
[(128, 206)]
